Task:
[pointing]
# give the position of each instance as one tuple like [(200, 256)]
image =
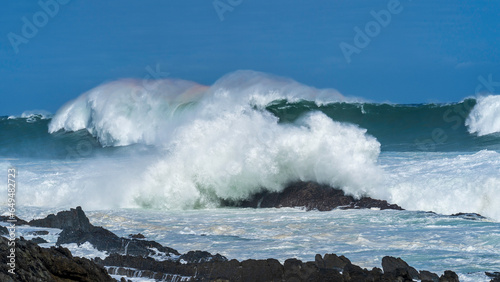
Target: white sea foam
[(485, 116), (445, 183), (127, 111), (227, 146)]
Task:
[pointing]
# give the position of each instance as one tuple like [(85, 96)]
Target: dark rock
[(494, 275), (201, 256), (38, 240), (312, 196), (73, 219), (18, 221), (391, 264), (322, 269), (55, 264), (136, 236), (427, 276), (469, 216), (400, 275), (39, 233), (259, 270), (4, 230), (354, 273), (295, 270), (497, 279), (449, 276), (332, 261), (78, 229)]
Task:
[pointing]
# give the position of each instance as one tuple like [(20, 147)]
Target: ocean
[(159, 156)]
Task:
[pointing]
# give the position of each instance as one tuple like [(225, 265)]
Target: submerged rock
[(312, 196), (38, 233), (469, 216)]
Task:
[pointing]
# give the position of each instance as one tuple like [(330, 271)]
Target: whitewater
[(132, 148)]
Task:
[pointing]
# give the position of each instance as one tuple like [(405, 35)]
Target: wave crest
[(484, 118), (126, 112)]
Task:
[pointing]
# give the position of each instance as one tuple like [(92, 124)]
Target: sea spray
[(485, 116), (179, 145)]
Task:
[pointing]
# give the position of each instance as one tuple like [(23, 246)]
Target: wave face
[(174, 144)]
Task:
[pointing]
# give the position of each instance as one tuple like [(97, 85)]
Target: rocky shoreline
[(131, 257)]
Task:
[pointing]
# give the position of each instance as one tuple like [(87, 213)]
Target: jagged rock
[(38, 240), (33, 263), (78, 229), (449, 276), (201, 256), (353, 272), (427, 276), (263, 270), (295, 270), (73, 219), (312, 196), (391, 264), (136, 236), (332, 261)]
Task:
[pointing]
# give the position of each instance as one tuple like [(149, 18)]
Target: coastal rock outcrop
[(33, 263), (76, 228), (312, 196)]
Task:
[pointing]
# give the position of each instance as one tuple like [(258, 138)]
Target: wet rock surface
[(129, 257), (76, 228), (33, 263), (494, 275), (312, 196), (330, 267)]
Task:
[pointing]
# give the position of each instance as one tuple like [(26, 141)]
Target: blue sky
[(428, 51)]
